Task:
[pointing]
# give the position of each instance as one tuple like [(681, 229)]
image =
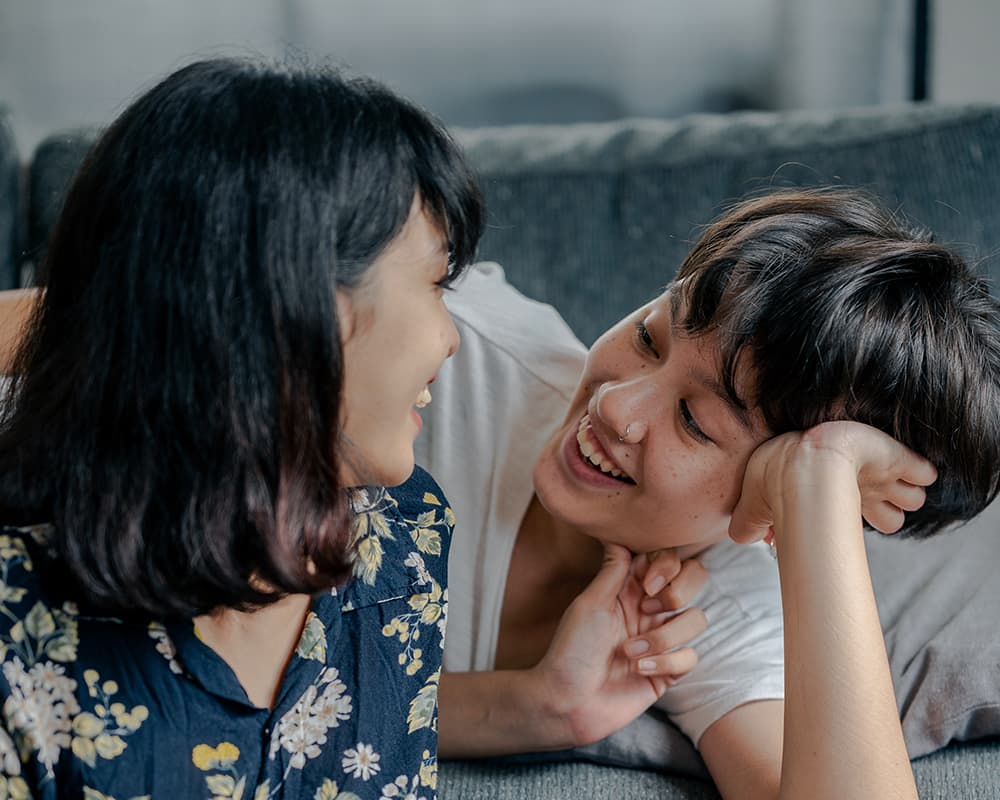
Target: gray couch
[(593, 219)]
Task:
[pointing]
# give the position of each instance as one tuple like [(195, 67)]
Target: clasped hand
[(621, 642), (865, 467)]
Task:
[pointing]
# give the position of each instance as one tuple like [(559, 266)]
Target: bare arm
[(16, 306), (837, 734)]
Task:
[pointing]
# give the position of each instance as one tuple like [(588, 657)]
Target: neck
[(258, 644), (569, 554)]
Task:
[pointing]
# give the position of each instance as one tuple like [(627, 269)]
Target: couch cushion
[(53, 165), (10, 206), (595, 217)]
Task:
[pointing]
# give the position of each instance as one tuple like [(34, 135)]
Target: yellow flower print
[(429, 608), (423, 534), (429, 770), (13, 549), (99, 733), (312, 643), (229, 785), (207, 758), (426, 530), (93, 794), (14, 788), (328, 791), (43, 633), (423, 707), (368, 528)]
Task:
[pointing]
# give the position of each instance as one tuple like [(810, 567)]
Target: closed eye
[(692, 424)]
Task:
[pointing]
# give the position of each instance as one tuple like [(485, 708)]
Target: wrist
[(551, 707)]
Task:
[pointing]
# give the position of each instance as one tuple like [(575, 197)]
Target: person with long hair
[(221, 574)]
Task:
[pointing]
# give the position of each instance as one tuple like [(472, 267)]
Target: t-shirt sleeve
[(741, 652)]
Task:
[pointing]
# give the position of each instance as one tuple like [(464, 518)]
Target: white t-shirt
[(496, 402)]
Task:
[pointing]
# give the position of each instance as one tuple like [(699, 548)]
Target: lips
[(596, 455)]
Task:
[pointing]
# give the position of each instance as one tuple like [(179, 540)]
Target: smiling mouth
[(595, 456)]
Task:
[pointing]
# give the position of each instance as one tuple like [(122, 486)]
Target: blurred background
[(66, 63)]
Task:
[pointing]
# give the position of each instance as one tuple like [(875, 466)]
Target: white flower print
[(416, 561), (39, 708), (361, 761), (404, 788), (10, 762), (303, 727), (165, 646)]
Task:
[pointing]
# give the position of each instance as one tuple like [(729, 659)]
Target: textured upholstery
[(592, 218), (10, 205)]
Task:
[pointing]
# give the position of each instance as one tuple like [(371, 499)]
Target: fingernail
[(651, 605), (646, 665), (636, 648), (656, 584)]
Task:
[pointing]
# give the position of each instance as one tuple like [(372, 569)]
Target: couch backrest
[(596, 218), (10, 205)]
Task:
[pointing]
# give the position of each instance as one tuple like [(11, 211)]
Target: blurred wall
[(77, 62), (965, 58)]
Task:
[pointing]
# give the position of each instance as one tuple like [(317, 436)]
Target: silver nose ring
[(622, 437)]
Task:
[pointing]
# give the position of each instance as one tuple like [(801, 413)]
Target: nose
[(621, 406)]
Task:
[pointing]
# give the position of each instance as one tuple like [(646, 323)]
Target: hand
[(586, 673), (885, 477)]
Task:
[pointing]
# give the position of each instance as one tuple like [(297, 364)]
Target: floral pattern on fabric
[(90, 704)]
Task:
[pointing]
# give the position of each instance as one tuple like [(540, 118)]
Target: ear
[(346, 316)]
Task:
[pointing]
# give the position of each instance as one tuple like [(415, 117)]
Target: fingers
[(884, 517), (668, 665), (918, 471), (907, 496), (751, 521), (887, 514), (611, 577), (680, 591), (675, 631), (664, 567)]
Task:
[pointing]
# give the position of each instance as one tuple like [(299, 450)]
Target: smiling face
[(676, 477), (396, 333)]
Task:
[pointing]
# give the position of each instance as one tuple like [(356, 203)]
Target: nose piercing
[(623, 436)]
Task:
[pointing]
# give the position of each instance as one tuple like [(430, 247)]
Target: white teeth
[(423, 398), (592, 453)]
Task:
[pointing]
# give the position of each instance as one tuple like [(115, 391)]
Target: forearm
[(842, 736), (496, 713), (16, 306)]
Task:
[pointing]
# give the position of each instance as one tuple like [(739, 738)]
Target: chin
[(397, 473)]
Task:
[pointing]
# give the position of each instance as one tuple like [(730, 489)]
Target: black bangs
[(835, 310)]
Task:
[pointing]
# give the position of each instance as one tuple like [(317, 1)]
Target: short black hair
[(848, 312), (176, 414)]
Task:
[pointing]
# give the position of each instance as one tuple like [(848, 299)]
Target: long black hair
[(177, 412), (844, 311)]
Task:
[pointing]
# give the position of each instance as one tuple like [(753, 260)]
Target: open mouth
[(595, 456)]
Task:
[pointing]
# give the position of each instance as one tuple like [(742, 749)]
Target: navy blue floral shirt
[(101, 709)]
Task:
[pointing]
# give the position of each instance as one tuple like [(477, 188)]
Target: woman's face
[(676, 477), (395, 333)]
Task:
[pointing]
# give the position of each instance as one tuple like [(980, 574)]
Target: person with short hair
[(815, 364)]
